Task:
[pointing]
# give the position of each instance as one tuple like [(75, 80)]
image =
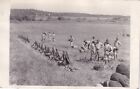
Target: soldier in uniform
[(117, 43), (71, 39)]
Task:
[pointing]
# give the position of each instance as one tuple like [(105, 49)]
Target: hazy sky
[(82, 6)]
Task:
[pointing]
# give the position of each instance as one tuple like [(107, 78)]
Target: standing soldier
[(117, 43), (92, 51), (43, 37), (107, 50), (53, 37), (49, 36), (98, 46), (71, 39)]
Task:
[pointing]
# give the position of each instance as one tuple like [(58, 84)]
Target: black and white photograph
[(69, 43)]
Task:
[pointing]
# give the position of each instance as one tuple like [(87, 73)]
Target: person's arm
[(119, 43)]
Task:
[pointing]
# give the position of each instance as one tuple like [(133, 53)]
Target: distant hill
[(33, 12), (34, 15)]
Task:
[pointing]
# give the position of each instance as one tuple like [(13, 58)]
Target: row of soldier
[(52, 53)]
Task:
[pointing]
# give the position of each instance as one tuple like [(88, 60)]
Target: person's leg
[(98, 55), (91, 55), (105, 59), (116, 53), (115, 56), (71, 44)]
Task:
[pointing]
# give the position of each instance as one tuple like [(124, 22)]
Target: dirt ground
[(28, 67)]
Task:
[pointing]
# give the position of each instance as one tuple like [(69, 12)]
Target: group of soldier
[(94, 46), (48, 36)]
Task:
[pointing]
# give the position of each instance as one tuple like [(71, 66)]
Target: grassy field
[(28, 67)]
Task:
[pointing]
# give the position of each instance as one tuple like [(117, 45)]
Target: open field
[(31, 68)]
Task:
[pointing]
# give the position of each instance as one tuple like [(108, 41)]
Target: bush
[(60, 18)]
